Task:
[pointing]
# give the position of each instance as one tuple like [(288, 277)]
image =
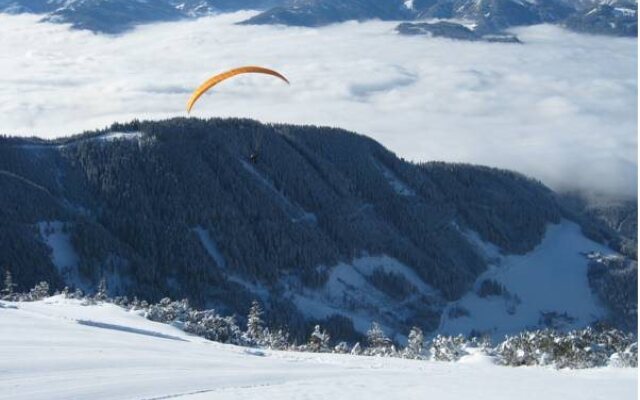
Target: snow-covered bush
[(276, 340), (122, 301), (39, 291), (584, 348), (526, 348), (136, 304), (209, 325), (168, 311), (626, 358), (341, 348), (448, 348), (77, 294)]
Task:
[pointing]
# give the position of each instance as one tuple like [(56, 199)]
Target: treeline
[(614, 280), (586, 348)]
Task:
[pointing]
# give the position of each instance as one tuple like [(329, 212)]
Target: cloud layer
[(562, 107)]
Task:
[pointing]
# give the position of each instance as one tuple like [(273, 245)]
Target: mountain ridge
[(616, 17), (175, 208)]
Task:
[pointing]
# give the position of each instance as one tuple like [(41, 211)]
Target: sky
[(562, 107)]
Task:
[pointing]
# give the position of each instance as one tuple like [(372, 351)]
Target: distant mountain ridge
[(117, 16), (614, 17), (489, 16), (327, 226)]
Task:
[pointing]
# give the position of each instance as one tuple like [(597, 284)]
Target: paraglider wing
[(226, 75)]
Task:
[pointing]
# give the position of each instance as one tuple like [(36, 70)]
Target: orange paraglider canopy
[(202, 89)]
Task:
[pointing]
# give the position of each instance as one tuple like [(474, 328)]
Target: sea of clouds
[(561, 107)]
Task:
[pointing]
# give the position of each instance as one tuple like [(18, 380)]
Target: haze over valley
[(560, 106)]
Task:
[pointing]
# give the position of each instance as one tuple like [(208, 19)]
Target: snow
[(63, 255), (106, 137), (396, 183), (627, 12), (214, 252), (120, 136), (408, 4), (551, 278), (45, 353), (211, 246), (348, 292)]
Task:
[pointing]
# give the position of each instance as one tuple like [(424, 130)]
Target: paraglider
[(213, 81), (202, 89)]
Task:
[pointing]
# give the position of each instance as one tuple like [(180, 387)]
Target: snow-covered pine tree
[(255, 325), (101, 294), (319, 340), (415, 344), (379, 343), (7, 291)]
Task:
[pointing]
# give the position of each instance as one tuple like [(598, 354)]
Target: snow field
[(45, 353)]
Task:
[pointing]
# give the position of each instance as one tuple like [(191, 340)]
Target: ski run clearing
[(60, 349)]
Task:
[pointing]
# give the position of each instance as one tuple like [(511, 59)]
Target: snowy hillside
[(59, 349), (546, 287)]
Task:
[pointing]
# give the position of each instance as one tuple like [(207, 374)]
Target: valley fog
[(561, 107)]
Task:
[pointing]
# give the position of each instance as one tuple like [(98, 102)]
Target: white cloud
[(562, 107)]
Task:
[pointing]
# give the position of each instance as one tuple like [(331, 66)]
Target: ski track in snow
[(46, 354)]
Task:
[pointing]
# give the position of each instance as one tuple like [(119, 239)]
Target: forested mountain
[(617, 17), (116, 16), (487, 16), (323, 12), (326, 225)]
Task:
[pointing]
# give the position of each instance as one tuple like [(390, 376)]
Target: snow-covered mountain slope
[(328, 227), (490, 16), (117, 16), (547, 287), (60, 349)]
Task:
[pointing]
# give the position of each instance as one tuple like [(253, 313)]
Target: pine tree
[(255, 325), (102, 293), (379, 343), (375, 335), (319, 340), (8, 285), (415, 344)]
